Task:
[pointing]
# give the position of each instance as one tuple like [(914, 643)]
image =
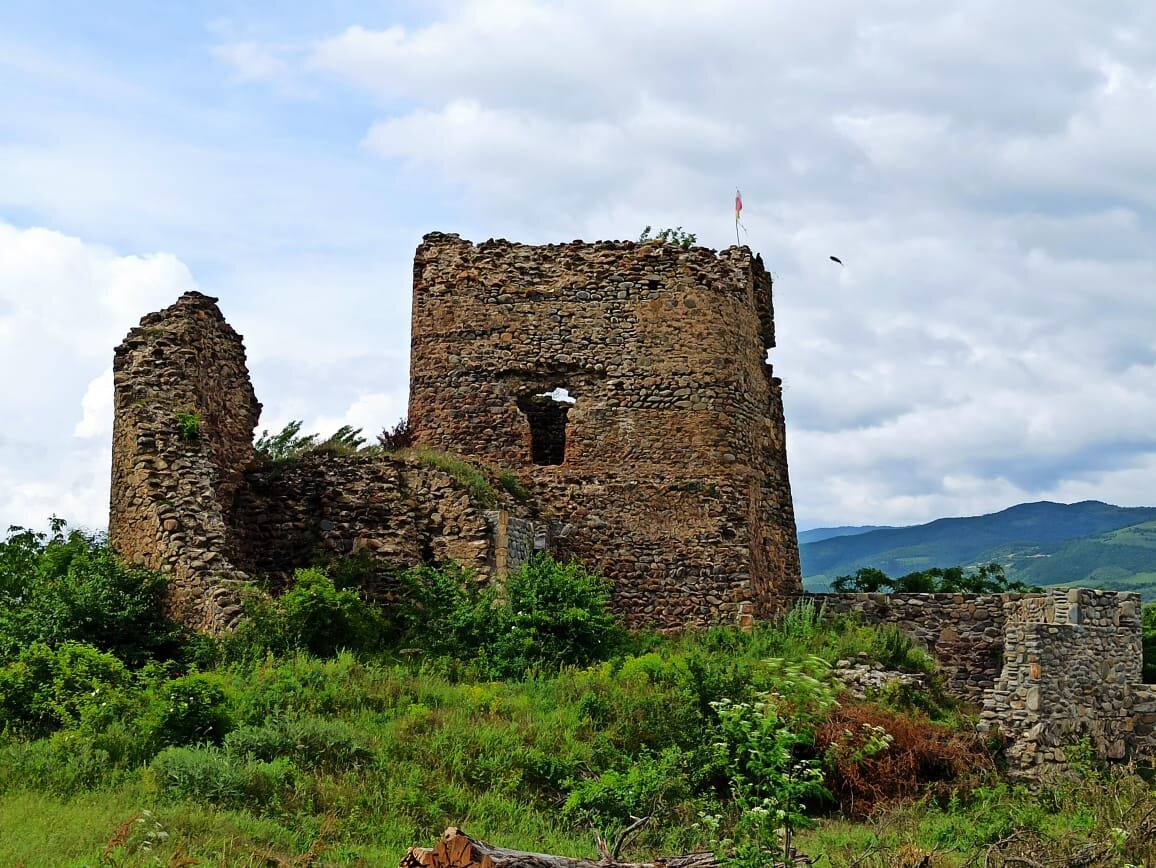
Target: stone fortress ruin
[(618, 399), (664, 468)]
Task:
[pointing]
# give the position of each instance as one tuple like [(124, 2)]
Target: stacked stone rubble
[(672, 479)]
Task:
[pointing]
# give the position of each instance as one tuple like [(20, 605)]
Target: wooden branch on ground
[(458, 850)]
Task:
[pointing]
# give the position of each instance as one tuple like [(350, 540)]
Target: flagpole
[(738, 211)]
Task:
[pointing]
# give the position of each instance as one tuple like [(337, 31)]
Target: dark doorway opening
[(547, 417)]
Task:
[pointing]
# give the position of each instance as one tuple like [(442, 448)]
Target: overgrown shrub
[(550, 615), (400, 436), (313, 615), (45, 689), (321, 619), (543, 616), (210, 775), (192, 709), (921, 758), (647, 787), (67, 586), (310, 742)]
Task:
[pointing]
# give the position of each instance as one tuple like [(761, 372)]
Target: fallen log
[(456, 849)]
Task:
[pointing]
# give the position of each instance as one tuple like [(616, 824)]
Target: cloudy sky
[(985, 170)]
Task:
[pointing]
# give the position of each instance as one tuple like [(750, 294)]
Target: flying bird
[(837, 259)]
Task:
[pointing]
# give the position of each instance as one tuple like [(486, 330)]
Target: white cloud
[(96, 408), (64, 305), (251, 61), (982, 169)]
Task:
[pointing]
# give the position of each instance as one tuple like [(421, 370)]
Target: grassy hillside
[(326, 732), (1087, 543)]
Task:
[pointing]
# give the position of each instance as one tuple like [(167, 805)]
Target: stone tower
[(663, 462), (184, 413)]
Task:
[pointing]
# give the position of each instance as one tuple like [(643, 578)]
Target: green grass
[(350, 761)]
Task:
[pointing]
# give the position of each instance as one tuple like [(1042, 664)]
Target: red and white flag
[(738, 204)]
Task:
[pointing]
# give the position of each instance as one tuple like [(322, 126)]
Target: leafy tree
[(290, 443), (286, 443), (867, 580), (984, 579)]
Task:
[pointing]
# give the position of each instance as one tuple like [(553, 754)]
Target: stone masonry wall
[(668, 471), (964, 632), (203, 509), (1071, 669), (172, 493), (1047, 669)]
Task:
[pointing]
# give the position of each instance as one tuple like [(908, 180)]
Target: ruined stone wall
[(964, 632), (1047, 669), (1071, 669), (197, 504), (672, 477), (173, 487), (397, 508)]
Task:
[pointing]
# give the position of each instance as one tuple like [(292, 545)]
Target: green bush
[(208, 775), (45, 689), (62, 765), (192, 709), (648, 787), (313, 615), (551, 615), (67, 586), (322, 619), (310, 742)]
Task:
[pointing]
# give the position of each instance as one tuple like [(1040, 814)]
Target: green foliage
[(313, 615), (895, 649), (44, 689), (551, 615), (675, 236), (512, 486), (544, 616), (210, 775), (191, 709), (322, 619), (647, 787), (767, 747), (984, 579), (290, 443), (67, 586), (310, 742), (865, 580), (189, 426), (467, 475)]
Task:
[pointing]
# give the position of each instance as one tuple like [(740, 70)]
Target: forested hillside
[(1090, 543)]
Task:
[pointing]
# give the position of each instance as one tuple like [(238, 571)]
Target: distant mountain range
[(1091, 544)]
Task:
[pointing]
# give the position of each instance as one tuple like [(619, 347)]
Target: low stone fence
[(1047, 669), (964, 632)]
